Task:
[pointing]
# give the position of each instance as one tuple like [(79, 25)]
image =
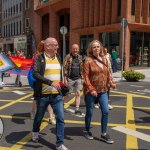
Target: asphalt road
[(131, 102)]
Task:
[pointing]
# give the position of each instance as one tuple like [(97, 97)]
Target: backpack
[(30, 77)]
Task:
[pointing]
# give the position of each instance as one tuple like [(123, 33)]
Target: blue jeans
[(56, 102), (103, 101), (114, 65)]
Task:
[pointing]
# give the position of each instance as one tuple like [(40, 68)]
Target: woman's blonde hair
[(89, 50), (40, 46)]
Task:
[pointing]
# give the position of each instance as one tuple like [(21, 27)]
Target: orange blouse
[(96, 78)]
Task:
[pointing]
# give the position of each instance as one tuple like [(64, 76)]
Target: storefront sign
[(22, 39), (8, 40)]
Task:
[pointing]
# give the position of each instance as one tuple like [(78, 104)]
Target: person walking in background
[(108, 58), (73, 74), (47, 72), (40, 49), (97, 81), (114, 56), (19, 54)]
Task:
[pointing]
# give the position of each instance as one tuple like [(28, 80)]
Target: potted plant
[(133, 76)]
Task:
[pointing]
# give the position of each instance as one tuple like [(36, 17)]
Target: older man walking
[(47, 72)]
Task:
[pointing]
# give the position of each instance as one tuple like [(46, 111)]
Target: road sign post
[(124, 24), (63, 31)]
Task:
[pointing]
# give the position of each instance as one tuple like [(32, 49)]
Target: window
[(20, 7), (20, 27), (17, 8), (27, 4), (27, 22), (84, 41), (119, 8), (133, 8)]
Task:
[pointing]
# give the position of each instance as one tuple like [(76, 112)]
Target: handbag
[(64, 90)]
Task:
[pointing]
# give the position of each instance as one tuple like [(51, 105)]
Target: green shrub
[(131, 75)]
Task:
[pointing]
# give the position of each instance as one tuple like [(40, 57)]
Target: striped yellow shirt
[(53, 73)]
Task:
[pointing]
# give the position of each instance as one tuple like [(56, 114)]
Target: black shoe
[(106, 138), (88, 135), (78, 112)]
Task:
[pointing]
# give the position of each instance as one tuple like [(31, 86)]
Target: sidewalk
[(117, 77), (146, 72)]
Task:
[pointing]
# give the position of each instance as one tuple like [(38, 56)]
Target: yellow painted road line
[(131, 141), (4, 148), (145, 108), (18, 102), (115, 106), (14, 117), (14, 102), (27, 138), (23, 141), (134, 95)]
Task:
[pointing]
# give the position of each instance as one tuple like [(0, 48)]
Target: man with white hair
[(47, 72)]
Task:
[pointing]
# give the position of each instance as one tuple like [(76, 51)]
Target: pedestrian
[(40, 49), (47, 72), (19, 55), (73, 74), (114, 56), (97, 80), (107, 57)]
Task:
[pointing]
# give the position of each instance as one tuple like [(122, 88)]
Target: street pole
[(64, 47), (123, 24)]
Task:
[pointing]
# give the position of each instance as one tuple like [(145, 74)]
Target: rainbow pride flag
[(6, 63)]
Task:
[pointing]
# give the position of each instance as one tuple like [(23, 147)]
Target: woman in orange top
[(97, 81)]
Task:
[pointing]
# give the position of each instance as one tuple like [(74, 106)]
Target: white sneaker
[(110, 107), (32, 115), (62, 147), (35, 136), (96, 106), (52, 121)]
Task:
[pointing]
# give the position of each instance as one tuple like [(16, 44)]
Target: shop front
[(20, 43), (140, 49), (8, 44)]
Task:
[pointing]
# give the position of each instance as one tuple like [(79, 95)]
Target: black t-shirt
[(75, 69)]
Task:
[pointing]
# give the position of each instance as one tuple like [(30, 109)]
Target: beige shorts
[(75, 85)]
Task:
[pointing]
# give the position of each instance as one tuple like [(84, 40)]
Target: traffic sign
[(63, 30)]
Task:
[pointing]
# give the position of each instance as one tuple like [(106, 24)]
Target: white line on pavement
[(136, 85), (137, 134), (136, 92), (19, 92)]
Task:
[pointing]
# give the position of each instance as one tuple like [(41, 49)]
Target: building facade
[(17, 24), (100, 19)]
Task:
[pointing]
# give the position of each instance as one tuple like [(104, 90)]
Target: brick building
[(16, 25), (98, 19)]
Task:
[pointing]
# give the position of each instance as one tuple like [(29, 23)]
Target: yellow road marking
[(134, 95), (76, 122), (4, 148), (131, 142), (27, 138), (23, 141), (16, 101)]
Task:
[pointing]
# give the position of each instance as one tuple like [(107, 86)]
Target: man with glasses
[(47, 72)]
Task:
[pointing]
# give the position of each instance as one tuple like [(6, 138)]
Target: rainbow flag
[(5, 63), (23, 65)]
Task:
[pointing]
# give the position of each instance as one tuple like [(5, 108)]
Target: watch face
[(1, 128)]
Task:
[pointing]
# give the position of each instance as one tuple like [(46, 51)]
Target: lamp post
[(124, 24)]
